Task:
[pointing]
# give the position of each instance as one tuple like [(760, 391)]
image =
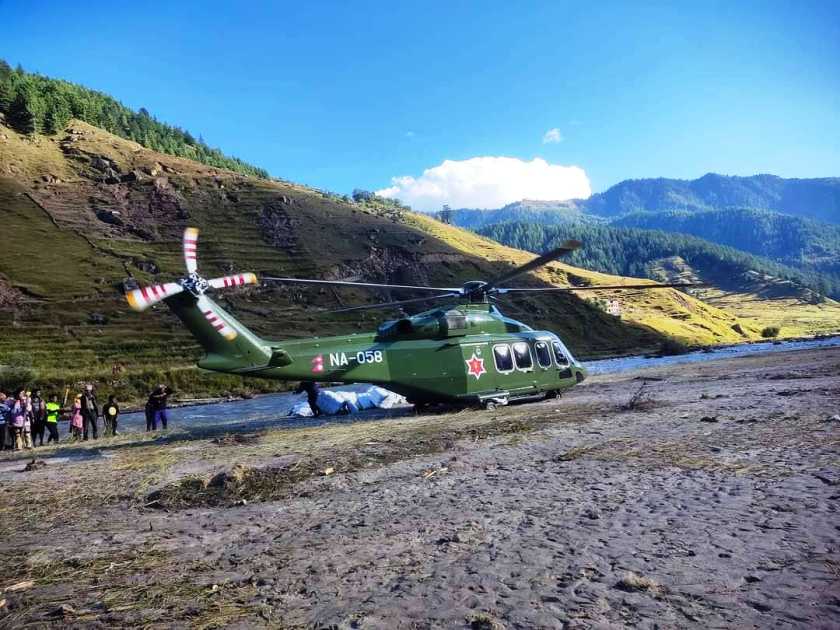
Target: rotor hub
[(195, 284)]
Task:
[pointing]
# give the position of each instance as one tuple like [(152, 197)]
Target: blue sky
[(351, 94)]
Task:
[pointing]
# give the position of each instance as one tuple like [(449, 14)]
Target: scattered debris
[(35, 464), (709, 419), (428, 474), (19, 586), (64, 610), (834, 418), (328, 471)]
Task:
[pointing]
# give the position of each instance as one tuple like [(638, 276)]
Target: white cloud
[(552, 136), (488, 182)]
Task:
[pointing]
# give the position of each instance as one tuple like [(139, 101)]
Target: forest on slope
[(631, 252), (32, 103), (810, 246)]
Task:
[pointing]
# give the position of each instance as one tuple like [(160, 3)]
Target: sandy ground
[(713, 504)]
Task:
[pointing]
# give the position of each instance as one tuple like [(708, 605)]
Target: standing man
[(53, 409), (5, 413), (39, 417), (311, 388), (90, 412), (157, 405)]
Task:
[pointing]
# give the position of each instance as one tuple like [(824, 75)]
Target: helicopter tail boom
[(229, 346)]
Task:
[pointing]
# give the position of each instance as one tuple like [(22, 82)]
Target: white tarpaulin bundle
[(333, 401)]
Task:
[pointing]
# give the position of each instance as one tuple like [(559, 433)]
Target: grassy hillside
[(85, 210)]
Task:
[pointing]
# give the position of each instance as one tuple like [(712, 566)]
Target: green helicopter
[(466, 352)]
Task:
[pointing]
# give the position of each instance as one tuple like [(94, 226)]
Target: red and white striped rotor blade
[(141, 299), (191, 249), (215, 321), (237, 280)]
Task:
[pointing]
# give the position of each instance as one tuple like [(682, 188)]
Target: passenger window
[(504, 362), (522, 355), (543, 355), (559, 355)]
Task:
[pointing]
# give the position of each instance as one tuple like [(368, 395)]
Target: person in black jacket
[(39, 417), (157, 406), (311, 388), (110, 413), (90, 412)]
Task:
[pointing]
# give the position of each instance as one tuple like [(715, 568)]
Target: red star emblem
[(475, 366)]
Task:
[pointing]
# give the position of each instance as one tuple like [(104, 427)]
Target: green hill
[(32, 103)]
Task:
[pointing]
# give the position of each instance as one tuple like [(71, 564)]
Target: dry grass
[(633, 582)]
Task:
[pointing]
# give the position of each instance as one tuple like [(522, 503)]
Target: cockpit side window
[(560, 356), (503, 358), (522, 356), (543, 355)]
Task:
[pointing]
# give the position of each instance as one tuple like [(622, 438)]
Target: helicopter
[(464, 352)]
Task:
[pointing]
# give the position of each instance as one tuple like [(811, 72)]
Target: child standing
[(111, 412), (76, 421)]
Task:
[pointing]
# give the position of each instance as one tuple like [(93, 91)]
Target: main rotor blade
[(191, 249), (603, 287), (367, 285), (566, 248), (143, 298), (368, 307), (233, 281)]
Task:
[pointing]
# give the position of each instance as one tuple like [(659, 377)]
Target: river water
[(273, 408)]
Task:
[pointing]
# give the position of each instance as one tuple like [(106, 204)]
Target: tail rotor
[(145, 297)]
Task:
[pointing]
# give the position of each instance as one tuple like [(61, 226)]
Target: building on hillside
[(613, 307)]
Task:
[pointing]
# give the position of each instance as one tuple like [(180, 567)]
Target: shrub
[(670, 347), (770, 332)]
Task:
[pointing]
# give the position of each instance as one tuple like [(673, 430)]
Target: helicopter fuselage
[(467, 353)]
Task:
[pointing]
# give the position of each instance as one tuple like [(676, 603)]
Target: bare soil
[(709, 502)]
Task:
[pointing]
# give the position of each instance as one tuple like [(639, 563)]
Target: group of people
[(26, 417)]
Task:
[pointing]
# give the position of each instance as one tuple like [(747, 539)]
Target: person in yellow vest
[(110, 414), (53, 409)]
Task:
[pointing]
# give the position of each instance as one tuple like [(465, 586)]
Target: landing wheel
[(421, 407), (490, 405)]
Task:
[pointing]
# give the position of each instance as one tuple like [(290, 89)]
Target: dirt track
[(714, 505)]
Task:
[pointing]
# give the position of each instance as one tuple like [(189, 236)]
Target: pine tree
[(23, 111)]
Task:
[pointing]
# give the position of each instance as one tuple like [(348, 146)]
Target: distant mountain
[(527, 210), (793, 222), (813, 198)]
